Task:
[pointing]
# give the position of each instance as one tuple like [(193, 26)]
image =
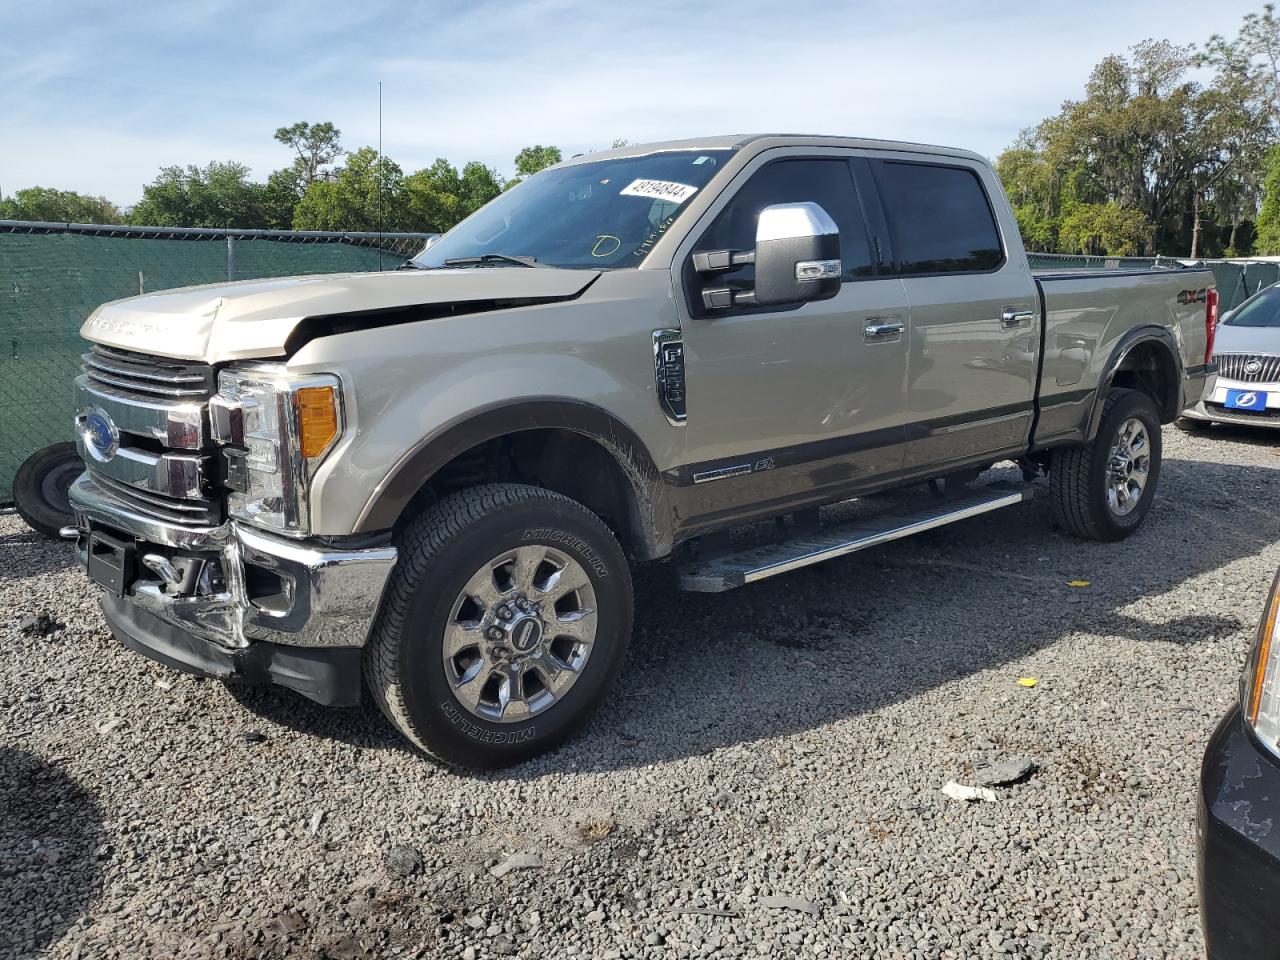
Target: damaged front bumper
[(230, 601)]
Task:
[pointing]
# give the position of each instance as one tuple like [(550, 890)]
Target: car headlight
[(277, 429), (1260, 688)]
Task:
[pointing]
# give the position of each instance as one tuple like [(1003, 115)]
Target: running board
[(717, 574)]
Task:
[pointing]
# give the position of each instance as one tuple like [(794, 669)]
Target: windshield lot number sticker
[(659, 190)]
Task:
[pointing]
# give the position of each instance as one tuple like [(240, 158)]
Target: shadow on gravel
[(1239, 433), (51, 836), (850, 636), (362, 726)]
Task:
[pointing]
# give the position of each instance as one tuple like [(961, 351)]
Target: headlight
[(277, 429), (1260, 688)]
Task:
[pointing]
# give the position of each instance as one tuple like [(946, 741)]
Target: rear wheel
[(505, 622), (1103, 489)]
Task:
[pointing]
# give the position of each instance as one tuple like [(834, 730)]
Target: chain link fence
[(52, 276)]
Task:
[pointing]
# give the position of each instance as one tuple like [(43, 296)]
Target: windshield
[(603, 214), (1262, 311)]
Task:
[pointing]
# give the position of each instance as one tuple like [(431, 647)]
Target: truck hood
[(1230, 339), (252, 319)]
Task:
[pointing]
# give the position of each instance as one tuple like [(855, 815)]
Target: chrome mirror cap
[(794, 221)]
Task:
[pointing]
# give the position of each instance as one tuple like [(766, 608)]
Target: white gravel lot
[(788, 740)]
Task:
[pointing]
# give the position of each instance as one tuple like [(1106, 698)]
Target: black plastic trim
[(1170, 406), (328, 675)]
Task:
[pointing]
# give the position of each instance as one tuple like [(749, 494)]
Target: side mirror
[(796, 258), (797, 254)]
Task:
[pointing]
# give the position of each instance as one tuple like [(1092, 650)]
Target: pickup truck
[(434, 482)]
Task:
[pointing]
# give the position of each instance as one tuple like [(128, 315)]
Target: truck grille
[(1264, 368), (198, 513), (149, 377), (163, 466)]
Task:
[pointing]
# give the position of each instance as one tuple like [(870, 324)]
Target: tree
[(363, 194), (1104, 228), (317, 146), (532, 159), (1268, 240), (437, 197), (58, 206), (217, 195), (1147, 138)]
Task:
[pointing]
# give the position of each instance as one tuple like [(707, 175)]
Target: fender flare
[(421, 463), (1131, 340)]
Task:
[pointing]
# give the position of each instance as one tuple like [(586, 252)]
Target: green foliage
[(311, 193), (58, 206), (218, 195), (363, 194), (1268, 239), (317, 146), (532, 159), (1151, 160), (1104, 228)]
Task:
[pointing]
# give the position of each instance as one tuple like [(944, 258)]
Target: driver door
[(801, 404)]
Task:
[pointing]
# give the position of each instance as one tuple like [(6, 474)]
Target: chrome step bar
[(717, 574)]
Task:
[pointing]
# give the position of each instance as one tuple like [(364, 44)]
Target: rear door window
[(939, 217)]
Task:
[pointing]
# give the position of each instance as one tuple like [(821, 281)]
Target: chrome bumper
[(1211, 408), (328, 595)]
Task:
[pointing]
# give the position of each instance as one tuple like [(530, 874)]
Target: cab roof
[(764, 141)]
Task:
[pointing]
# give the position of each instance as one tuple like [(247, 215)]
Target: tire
[(1189, 425), (40, 488), (449, 547), (1080, 478)]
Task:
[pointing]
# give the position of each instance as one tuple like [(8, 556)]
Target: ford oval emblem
[(100, 435)]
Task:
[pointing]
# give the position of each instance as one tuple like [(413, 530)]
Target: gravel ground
[(765, 781)]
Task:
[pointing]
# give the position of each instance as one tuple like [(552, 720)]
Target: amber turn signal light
[(317, 419)]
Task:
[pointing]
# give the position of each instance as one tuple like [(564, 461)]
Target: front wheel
[(505, 622), (1103, 489)]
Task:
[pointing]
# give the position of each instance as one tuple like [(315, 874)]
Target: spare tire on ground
[(41, 485)]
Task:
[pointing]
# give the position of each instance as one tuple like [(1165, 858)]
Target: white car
[(1247, 352)]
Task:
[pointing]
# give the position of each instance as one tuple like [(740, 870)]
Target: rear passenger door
[(974, 323)]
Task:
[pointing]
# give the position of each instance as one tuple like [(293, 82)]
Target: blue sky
[(96, 96)]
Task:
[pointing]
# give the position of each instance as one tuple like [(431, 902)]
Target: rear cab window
[(940, 218)]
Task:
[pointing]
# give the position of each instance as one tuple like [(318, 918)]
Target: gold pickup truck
[(434, 482)]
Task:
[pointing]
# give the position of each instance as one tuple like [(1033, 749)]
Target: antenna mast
[(380, 183)]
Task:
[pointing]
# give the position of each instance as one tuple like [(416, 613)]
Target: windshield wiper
[(491, 258)]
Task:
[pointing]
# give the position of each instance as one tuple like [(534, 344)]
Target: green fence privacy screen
[(52, 276)]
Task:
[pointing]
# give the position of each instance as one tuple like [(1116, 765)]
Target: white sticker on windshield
[(659, 190)]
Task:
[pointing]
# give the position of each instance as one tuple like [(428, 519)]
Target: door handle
[(883, 328), (1011, 317)]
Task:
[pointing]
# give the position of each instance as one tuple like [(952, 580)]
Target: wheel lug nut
[(494, 633), (505, 612)]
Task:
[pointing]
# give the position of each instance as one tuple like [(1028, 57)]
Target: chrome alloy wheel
[(1128, 467), (519, 634)]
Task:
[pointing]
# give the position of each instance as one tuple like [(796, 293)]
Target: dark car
[(1238, 832)]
